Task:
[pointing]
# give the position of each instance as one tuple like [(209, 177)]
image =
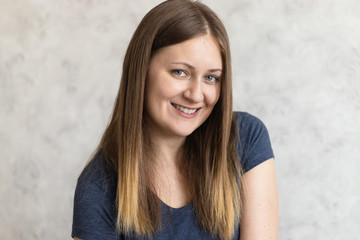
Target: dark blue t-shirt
[(94, 202)]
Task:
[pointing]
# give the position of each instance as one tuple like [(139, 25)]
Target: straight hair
[(209, 160)]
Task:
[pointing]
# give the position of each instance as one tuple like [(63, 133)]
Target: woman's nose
[(194, 91)]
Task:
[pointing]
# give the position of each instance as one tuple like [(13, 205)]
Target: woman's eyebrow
[(216, 70), (193, 68), (185, 64)]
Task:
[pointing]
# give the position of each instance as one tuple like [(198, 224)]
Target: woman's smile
[(186, 110), (182, 86)]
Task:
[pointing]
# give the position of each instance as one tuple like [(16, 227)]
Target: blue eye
[(211, 78), (179, 73)]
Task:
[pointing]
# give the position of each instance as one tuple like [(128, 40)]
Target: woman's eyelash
[(212, 78), (182, 73), (179, 72)]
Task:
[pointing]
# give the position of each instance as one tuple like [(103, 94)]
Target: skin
[(187, 75), (260, 216), (184, 74)]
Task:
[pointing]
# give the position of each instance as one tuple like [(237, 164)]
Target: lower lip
[(188, 115)]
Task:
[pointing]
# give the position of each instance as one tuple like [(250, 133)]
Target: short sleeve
[(253, 143), (94, 214)]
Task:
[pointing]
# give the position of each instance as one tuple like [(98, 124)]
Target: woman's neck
[(168, 182), (167, 150)]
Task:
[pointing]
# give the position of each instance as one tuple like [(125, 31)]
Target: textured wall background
[(296, 66)]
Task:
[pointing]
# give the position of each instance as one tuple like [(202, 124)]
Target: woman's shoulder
[(94, 215), (248, 124), (246, 119), (253, 141), (99, 174)]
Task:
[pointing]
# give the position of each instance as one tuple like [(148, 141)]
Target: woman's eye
[(211, 78), (179, 73)]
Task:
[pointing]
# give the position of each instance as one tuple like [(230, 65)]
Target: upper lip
[(186, 106)]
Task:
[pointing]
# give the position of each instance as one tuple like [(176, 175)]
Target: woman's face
[(182, 86)]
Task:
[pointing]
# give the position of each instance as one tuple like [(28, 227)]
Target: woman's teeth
[(185, 110)]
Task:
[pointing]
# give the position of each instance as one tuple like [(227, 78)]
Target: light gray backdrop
[(296, 66)]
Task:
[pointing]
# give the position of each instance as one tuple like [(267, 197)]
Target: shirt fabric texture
[(94, 216)]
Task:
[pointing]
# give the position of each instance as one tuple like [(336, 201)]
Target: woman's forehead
[(199, 51)]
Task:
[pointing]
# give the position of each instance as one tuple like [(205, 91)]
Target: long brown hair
[(209, 157)]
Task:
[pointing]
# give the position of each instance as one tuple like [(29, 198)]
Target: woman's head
[(170, 23)]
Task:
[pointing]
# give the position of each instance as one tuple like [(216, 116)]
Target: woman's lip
[(191, 108), (186, 112)]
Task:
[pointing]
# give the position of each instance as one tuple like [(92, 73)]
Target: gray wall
[(296, 67)]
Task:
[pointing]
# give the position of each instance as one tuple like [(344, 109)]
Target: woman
[(175, 162)]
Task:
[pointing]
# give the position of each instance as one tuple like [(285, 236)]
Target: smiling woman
[(175, 161)]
